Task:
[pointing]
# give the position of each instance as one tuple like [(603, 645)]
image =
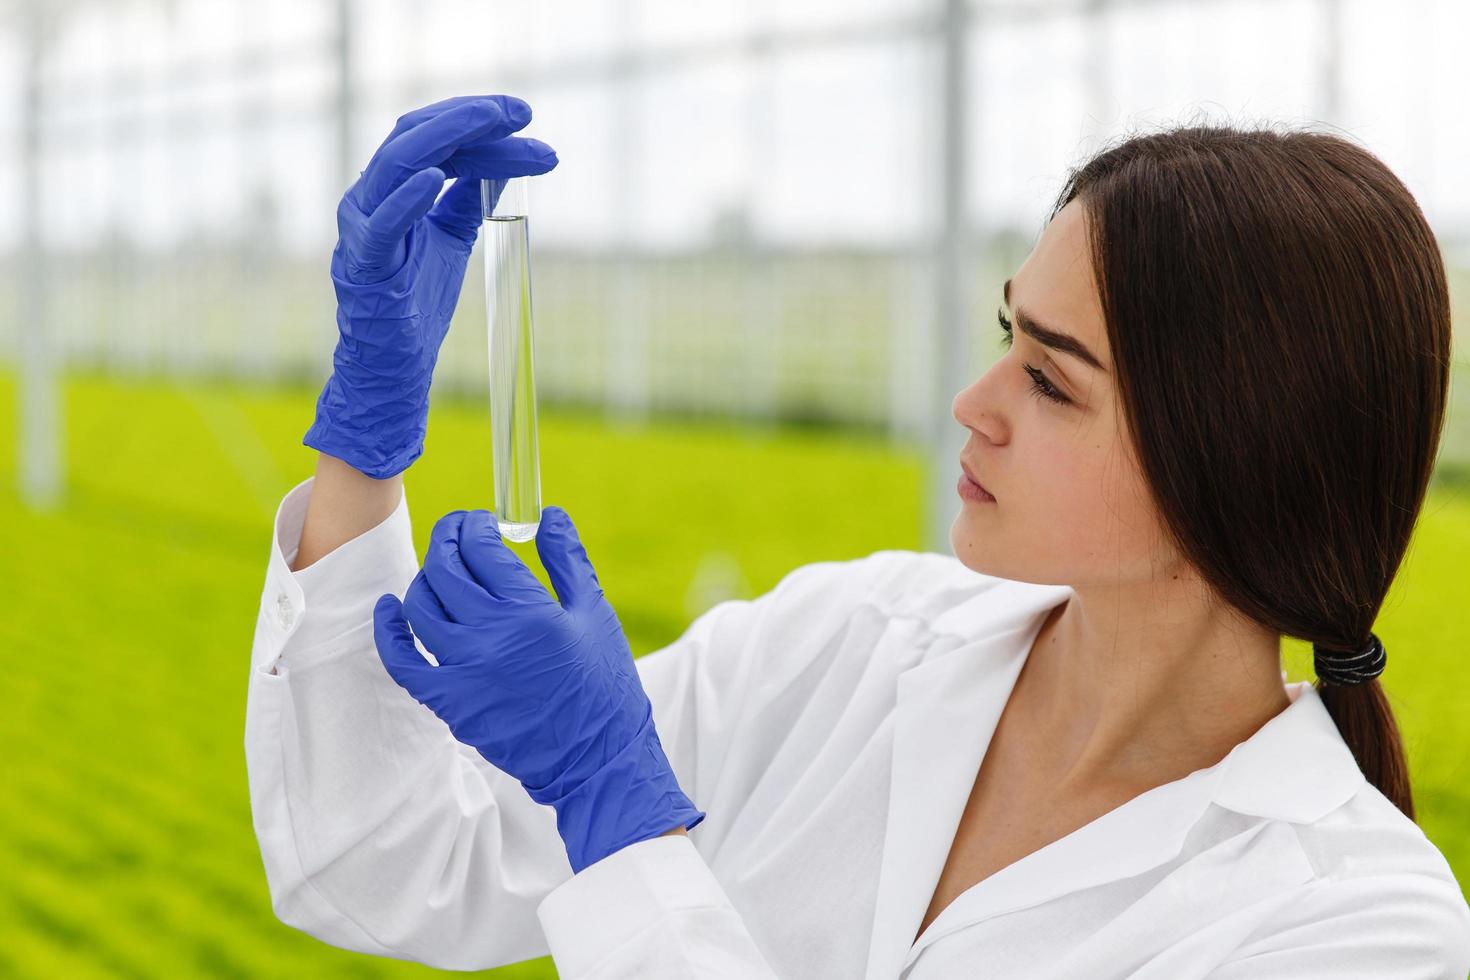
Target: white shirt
[(832, 730)]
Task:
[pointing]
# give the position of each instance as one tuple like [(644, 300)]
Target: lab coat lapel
[(1129, 840), (947, 708), (1295, 768)]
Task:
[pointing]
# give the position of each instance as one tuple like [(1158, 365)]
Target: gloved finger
[(460, 211), (456, 590), (428, 144), (494, 566), (514, 156), (395, 646), (450, 642), (566, 561), (516, 111), (382, 236)]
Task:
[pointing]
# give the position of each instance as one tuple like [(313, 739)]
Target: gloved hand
[(546, 690), (398, 268)]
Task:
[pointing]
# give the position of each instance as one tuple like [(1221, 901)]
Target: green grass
[(125, 825)]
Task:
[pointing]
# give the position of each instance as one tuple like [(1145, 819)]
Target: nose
[(966, 404), (974, 407)]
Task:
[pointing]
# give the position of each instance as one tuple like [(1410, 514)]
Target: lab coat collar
[(1295, 768)]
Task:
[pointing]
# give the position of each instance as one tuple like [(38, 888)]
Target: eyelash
[(1040, 386)]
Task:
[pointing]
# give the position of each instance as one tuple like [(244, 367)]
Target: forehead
[(1056, 283)]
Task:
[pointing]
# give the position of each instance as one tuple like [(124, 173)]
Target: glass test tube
[(515, 455)]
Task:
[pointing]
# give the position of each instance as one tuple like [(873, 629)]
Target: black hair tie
[(1341, 669)]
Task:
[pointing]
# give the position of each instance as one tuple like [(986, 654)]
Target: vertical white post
[(951, 365), (910, 328), (346, 97), (760, 267), (40, 409), (910, 315), (250, 348), (628, 350), (345, 114)]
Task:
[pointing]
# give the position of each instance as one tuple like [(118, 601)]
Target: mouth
[(969, 475), (970, 487)]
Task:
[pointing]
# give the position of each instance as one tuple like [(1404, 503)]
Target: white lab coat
[(831, 729)]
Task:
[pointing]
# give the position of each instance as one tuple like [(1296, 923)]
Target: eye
[(1040, 386)]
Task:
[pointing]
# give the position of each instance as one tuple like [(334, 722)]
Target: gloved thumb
[(382, 247), (460, 211), (565, 560), (394, 640)]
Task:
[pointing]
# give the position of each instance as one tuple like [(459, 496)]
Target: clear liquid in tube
[(515, 452)]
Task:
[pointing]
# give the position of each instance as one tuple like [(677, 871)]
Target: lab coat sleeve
[(378, 831), (650, 911), (1407, 926), (721, 696)]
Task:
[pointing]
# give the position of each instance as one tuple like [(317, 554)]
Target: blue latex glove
[(398, 268), (546, 690)]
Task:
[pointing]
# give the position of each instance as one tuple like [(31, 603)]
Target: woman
[(1067, 750)]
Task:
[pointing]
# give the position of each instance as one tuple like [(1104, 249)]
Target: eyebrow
[(1055, 339)]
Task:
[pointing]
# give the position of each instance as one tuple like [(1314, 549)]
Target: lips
[(970, 475)]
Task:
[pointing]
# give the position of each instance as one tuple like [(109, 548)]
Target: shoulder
[(889, 607), (812, 602), (896, 582), (1401, 924), (936, 594), (1369, 836), (1380, 889)]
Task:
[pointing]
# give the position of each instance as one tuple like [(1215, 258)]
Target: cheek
[(1102, 517), (1075, 495), (1076, 511)]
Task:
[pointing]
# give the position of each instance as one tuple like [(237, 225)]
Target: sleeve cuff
[(302, 613), (598, 910)]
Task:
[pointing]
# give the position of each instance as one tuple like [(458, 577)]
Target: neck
[(1146, 688)]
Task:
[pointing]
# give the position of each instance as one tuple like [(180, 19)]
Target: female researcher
[(1065, 751)]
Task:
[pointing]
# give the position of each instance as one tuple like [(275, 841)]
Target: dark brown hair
[(1279, 319)]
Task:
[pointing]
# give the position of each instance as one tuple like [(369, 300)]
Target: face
[(1070, 504)]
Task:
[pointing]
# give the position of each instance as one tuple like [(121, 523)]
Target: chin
[(975, 549), (969, 546)]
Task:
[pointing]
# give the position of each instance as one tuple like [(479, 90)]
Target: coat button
[(285, 614)]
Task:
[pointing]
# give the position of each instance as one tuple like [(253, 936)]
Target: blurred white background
[(768, 210)]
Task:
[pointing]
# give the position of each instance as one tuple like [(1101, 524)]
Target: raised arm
[(344, 503), (378, 831), (369, 816)]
